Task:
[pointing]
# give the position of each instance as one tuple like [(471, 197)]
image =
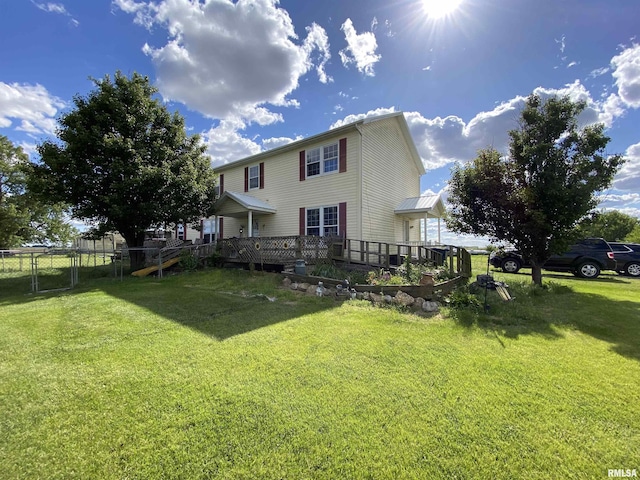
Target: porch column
[(250, 224), (439, 242), (426, 225)]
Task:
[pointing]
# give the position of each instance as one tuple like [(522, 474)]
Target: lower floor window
[(322, 221)]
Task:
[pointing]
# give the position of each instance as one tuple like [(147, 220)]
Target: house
[(358, 181)]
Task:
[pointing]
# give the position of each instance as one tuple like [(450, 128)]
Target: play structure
[(154, 268)]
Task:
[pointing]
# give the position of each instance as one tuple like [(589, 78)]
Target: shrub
[(188, 260)]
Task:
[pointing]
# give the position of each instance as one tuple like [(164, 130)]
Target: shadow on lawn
[(616, 322), (217, 303)]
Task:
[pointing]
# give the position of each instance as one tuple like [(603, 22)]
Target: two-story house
[(359, 181)]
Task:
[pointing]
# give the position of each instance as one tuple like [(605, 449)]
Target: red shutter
[(303, 165), (220, 229), (221, 183), (261, 174), (303, 221), (246, 179), (342, 219), (343, 155)]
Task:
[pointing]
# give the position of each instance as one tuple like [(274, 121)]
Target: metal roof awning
[(234, 204), (430, 206)]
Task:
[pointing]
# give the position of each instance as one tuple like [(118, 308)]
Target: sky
[(251, 75)]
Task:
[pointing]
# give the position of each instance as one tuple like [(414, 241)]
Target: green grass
[(201, 376)]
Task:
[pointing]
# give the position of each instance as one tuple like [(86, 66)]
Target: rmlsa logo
[(621, 472)]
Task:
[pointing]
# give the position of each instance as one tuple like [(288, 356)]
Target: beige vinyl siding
[(284, 191), (389, 175)]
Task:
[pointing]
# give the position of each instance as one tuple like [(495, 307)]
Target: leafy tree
[(611, 225), (634, 235), (534, 197), (23, 217), (125, 164)]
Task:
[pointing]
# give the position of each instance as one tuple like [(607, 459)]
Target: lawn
[(200, 375)]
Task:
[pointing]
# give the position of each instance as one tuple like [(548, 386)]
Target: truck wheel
[(588, 270), (632, 269), (510, 265)]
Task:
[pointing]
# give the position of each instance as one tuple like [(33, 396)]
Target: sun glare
[(436, 9)]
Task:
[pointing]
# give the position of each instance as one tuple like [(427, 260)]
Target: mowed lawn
[(201, 375)]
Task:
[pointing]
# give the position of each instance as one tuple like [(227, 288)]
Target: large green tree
[(124, 163), (23, 217), (534, 197), (611, 225)]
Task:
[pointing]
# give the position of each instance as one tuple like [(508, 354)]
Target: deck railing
[(313, 250)]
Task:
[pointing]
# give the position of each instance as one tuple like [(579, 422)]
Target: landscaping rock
[(404, 299), (429, 306), (286, 283), (311, 289), (388, 299), (417, 303), (294, 286), (303, 287), (366, 296), (375, 298)]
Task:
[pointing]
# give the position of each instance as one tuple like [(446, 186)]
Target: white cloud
[(56, 8), (626, 71), (628, 178), (52, 7), (598, 72), (354, 118), (360, 49), (225, 144), (275, 142), (229, 59), (442, 141), (32, 105)]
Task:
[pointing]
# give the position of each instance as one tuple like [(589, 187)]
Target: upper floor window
[(254, 177), (322, 160)]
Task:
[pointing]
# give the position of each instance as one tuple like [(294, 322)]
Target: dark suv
[(627, 258), (584, 259)]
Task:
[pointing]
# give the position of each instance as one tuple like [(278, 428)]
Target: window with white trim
[(322, 221), (254, 177), (322, 160)]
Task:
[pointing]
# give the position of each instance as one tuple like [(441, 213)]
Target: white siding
[(284, 191), (389, 176)]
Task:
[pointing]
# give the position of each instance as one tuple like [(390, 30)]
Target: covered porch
[(243, 207), (423, 208)]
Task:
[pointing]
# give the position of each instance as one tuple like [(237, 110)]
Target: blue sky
[(251, 75)]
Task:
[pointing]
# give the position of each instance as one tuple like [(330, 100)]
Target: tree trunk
[(135, 242), (536, 274)]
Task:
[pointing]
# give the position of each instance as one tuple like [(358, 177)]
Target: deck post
[(367, 247), (387, 261), (348, 251), (362, 250)]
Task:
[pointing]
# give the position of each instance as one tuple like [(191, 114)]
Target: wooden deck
[(314, 250)]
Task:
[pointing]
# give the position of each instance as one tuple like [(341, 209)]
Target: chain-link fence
[(40, 270)]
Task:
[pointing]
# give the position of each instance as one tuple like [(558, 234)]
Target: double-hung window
[(254, 177), (322, 221), (322, 160)]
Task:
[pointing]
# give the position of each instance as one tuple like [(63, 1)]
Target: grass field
[(201, 376)]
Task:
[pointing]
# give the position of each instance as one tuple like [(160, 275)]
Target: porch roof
[(430, 205), (228, 203)]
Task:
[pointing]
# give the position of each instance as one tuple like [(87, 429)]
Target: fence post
[(34, 274)]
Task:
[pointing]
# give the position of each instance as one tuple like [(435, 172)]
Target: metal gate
[(54, 271)]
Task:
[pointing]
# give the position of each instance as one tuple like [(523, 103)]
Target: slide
[(146, 271)]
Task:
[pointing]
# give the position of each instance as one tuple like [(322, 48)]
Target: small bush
[(188, 260)]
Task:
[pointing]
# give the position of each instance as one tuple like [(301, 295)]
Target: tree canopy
[(124, 163), (534, 196), (23, 217), (611, 225)]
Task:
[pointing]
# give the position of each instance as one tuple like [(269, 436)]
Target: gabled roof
[(300, 144), (429, 204), (246, 201)]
